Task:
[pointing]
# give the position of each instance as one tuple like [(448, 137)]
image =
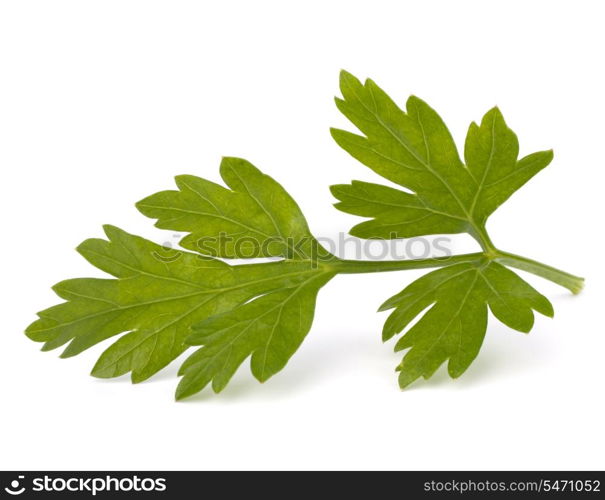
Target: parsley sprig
[(161, 302)]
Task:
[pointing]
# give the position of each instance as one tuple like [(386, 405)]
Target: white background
[(101, 103)]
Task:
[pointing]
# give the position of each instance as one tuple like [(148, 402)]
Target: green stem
[(569, 281), (381, 266), (481, 236)]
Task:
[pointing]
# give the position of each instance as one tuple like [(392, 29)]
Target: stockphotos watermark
[(90, 485), (316, 250)]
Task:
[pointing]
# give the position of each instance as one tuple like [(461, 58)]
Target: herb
[(455, 326), (160, 293), (164, 301), (415, 150)]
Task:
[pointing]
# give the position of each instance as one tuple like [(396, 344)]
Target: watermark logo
[(92, 485), (316, 250), (15, 488)]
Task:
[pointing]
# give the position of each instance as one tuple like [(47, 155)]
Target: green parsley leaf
[(159, 293), (414, 149), (256, 217), (454, 326), (269, 328)]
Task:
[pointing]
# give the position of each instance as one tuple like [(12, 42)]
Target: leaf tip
[(109, 228), (335, 132), (31, 330), (179, 395), (345, 75), (337, 190), (412, 101), (182, 180), (406, 378), (387, 333), (182, 391), (64, 355), (390, 303), (48, 347), (143, 205), (454, 371)]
